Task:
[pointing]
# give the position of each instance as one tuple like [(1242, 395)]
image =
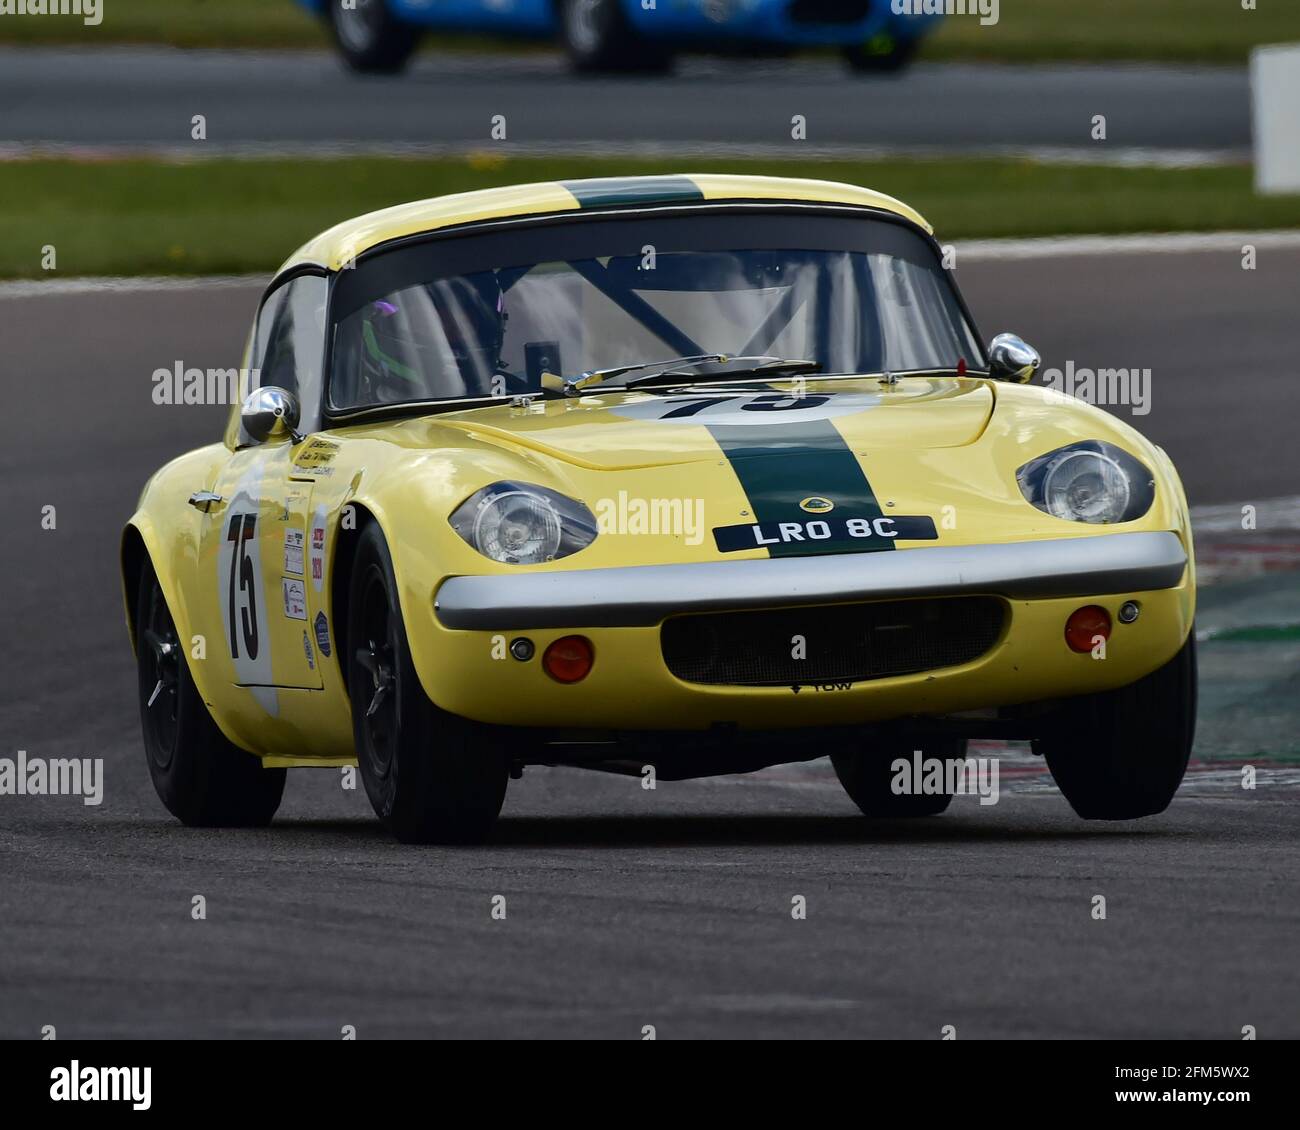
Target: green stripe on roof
[(605, 191)]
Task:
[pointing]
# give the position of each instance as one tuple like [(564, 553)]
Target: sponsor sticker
[(307, 651), (316, 457), (293, 547), (322, 634), (295, 598), (861, 532), (316, 551)]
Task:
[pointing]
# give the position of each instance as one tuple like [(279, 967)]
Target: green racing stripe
[(607, 191), (779, 465)]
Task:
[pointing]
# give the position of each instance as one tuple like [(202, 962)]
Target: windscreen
[(482, 317)]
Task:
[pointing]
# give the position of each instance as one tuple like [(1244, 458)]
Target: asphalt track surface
[(625, 907), (147, 96)]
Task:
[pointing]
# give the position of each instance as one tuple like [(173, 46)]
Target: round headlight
[(1090, 481), (518, 528), (1086, 486), (523, 523)]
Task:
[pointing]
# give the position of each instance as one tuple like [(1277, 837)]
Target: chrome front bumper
[(643, 595)]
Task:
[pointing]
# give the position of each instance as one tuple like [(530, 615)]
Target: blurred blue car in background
[(631, 35)]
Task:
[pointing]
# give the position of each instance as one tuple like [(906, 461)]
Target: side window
[(289, 346)]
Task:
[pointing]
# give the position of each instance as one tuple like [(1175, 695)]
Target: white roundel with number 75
[(241, 591)]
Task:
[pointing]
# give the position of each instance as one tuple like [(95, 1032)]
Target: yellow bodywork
[(409, 476)]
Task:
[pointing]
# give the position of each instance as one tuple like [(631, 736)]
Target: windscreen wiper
[(673, 370), (571, 386), (750, 368)]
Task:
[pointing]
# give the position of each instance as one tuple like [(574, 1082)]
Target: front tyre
[(371, 39), (868, 777), (203, 779), (1122, 754), (431, 776), (598, 36)]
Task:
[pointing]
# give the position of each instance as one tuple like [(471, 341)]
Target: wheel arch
[(346, 540), (140, 549), (371, 512), (133, 556)]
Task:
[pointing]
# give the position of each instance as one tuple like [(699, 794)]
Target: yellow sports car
[(683, 475)]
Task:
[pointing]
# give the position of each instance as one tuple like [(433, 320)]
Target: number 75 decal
[(242, 593), (773, 408), (776, 402)]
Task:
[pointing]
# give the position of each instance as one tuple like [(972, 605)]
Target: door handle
[(205, 499)]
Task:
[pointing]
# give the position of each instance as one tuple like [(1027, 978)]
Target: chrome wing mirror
[(270, 412), (1012, 359)]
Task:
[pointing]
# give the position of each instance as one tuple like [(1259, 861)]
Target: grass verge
[(1172, 31), (132, 217)]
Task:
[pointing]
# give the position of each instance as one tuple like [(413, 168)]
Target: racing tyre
[(598, 37), (202, 778), (431, 776), (867, 59), (867, 776), (371, 39), (1122, 754)]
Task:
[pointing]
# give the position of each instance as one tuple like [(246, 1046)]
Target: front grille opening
[(842, 643)]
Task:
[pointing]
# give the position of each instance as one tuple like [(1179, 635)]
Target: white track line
[(1271, 515), (1154, 243), (186, 153), (57, 288)]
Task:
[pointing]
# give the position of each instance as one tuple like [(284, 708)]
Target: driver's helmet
[(406, 337)]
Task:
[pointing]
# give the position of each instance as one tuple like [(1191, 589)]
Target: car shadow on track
[(740, 831), (782, 831), (647, 831)]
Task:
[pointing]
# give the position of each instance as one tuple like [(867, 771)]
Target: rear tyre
[(1122, 754), (371, 39), (868, 777), (598, 37), (431, 777), (203, 779), (881, 58)]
